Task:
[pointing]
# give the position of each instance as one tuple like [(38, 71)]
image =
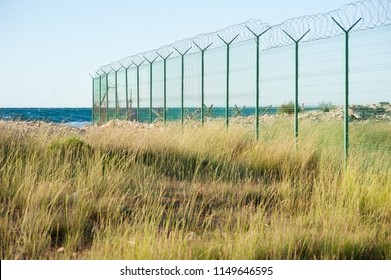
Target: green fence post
[(93, 97), (202, 79), (100, 97), (138, 88), (116, 92), (127, 90), (107, 95), (227, 79), (296, 105), (150, 87), (182, 81), (346, 109), (164, 85), (126, 94), (257, 94)]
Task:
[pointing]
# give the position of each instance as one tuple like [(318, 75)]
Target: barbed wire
[(370, 14)]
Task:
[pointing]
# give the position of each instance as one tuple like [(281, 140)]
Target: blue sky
[(47, 48)]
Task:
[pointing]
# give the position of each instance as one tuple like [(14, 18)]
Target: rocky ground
[(379, 112), (376, 112)]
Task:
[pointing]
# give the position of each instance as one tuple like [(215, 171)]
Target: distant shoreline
[(80, 117), (356, 114)]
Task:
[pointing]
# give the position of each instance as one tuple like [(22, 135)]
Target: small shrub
[(72, 147), (326, 106), (287, 108), (72, 144)]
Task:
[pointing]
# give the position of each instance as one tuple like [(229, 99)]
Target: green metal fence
[(253, 65)]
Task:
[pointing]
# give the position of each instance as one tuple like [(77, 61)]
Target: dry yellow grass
[(196, 193)]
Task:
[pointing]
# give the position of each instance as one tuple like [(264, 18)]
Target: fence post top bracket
[(293, 39), (260, 34), (202, 49), (126, 68), (182, 54), (343, 29), (138, 65), (162, 57), (227, 43), (115, 71), (150, 61)]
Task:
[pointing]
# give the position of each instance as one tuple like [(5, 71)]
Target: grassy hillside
[(197, 193)]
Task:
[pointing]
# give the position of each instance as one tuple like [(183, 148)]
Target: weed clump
[(287, 108), (72, 148), (69, 157), (326, 106), (196, 193)]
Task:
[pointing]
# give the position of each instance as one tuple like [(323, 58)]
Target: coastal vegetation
[(156, 192)]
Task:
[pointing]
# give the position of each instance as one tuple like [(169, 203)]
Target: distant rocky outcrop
[(379, 112)]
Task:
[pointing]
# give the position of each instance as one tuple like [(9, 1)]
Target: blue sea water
[(73, 116), (79, 117)]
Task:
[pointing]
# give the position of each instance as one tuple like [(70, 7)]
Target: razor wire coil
[(373, 14)]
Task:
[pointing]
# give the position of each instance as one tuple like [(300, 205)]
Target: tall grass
[(196, 193)]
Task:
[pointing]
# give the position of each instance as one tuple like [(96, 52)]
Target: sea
[(79, 117)]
